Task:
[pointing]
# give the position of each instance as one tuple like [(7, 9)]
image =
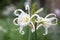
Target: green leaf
[(33, 9)]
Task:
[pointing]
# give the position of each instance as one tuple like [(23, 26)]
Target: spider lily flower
[(23, 19), (47, 22)]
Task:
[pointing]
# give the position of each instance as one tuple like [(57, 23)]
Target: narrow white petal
[(39, 26), (53, 18), (32, 30), (15, 22), (41, 9), (50, 15), (34, 16), (15, 12), (21, 30), (46, 31), (27, 8), (33, 27)]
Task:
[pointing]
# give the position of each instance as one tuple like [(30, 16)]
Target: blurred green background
[(8, 29)]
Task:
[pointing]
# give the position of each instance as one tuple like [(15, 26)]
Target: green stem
[(35, 32)]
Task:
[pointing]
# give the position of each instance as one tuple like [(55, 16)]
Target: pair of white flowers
[(23, 19)]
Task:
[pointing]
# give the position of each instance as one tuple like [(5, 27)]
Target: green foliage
[(33, 9), (12, 34)]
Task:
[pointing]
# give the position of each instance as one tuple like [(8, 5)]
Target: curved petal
[(46, 31), (41, 9), (27, 8), (50, 15), (33, 28), (14, 21), (34, 16), (39, 26), (52, 20), (15, 12), (39, 19), (21, 30)]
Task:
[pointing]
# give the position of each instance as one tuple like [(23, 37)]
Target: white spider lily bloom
[(23, 19), (47, 22)]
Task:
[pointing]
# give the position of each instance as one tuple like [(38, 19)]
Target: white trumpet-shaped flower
[(47, 22)]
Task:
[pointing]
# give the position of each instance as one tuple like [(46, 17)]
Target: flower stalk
[(35, 31)]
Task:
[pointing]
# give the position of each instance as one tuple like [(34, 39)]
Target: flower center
[(43, 21), (26, 19)]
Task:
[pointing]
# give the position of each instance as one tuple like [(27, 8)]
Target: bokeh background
[(8, 29)]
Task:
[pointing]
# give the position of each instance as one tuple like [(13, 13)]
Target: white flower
[(23, 19), (47, 22)]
